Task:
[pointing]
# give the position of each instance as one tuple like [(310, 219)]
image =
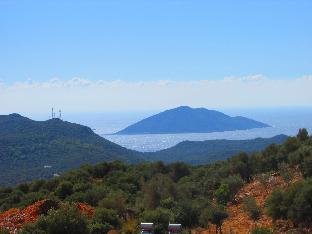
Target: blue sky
[(154, 40)]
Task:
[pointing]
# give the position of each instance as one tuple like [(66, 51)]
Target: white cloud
[(84, 95)]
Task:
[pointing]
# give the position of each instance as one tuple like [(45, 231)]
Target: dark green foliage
[(105, 219), (64, 190), (284, 172), (252, 208), (303, 134), (294, 203), (217, 216), (4, 231), (160, 217), (234, 183), (307, 166), (261, 230), (291, 144), (98, 228), (65, 220), (222, 194), (158, 188)]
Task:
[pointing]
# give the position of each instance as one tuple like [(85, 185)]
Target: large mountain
[(38, 149), (202, 152), (190, 120)]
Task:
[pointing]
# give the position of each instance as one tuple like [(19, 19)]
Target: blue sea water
[(282, 121)]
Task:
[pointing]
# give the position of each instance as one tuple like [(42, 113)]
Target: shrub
[(217, 216), (99, 228), (107, 217), (4, 231), (160, 217), (252, 208), (222, 194), (294, 203), (284, 172), (274, 205), (64, 189), (261, 230), (234, 183), (303, 134), (65, 220)]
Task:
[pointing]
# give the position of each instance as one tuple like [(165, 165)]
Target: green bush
[(65, 220), (64, 189), (107, 217), (234, 184), (222, 194), (294, 203), (160, 217), (217, 215), (4, 231), (303, 134), (261, 230), (251, 207)]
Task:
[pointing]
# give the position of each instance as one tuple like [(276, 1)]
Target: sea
[(282, 121)]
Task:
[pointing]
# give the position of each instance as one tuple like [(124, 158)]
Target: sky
[(145, 55)]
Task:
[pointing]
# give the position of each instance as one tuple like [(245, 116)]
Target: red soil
[(14, 219), (239, 222)]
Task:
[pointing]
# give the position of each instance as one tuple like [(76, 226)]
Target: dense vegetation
[(203, 152), (185, 119), (295, 202), (154, 192), (34, 149)]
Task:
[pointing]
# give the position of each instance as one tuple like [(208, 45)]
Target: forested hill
[(265, 192), (38, 149), (185, 119), (202, 152)]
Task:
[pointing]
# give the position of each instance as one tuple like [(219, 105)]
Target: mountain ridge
[(202, 152)]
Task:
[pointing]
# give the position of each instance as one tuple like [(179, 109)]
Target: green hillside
[(39, 149), (203, 152)]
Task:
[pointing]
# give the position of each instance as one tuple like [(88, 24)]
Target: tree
[(158, 188), (261, 230), (222, 194), (108, 218), (294, 203), (303, 134), (179, 170), (65, 220), (291, 144), (160, 217), (252, 208), (64, 189), (307, 166), (274, 205), (115, 201), (300, 209), (284, 172), (217, 216), (234, 183)]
